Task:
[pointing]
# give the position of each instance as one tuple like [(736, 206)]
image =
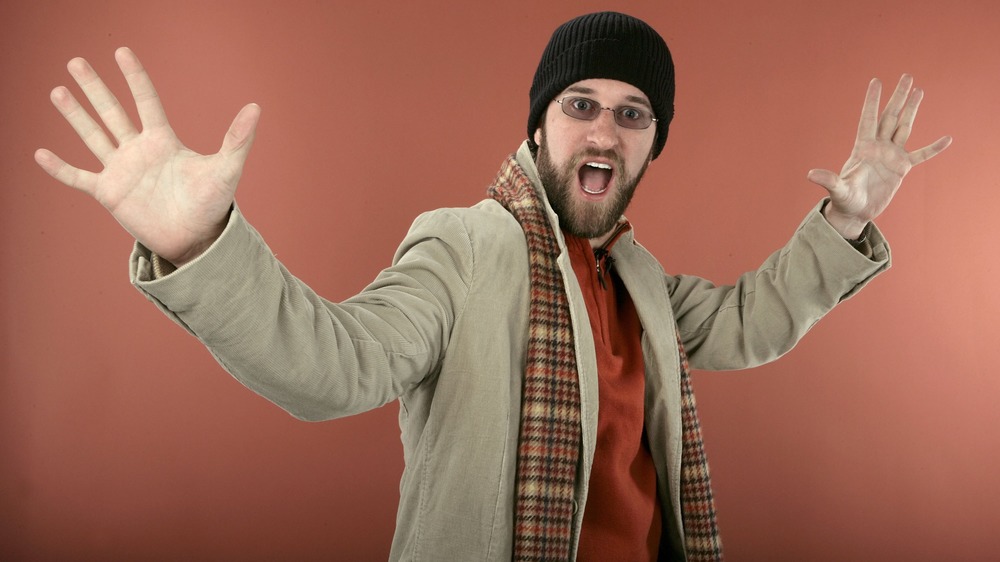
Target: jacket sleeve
[(769, 310), (314, 358)]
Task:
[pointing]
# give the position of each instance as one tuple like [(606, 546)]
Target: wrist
[(862, 239), (190, 255), (849, 227), (199, 246)]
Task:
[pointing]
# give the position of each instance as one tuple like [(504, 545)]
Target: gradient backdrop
[(878, 438)]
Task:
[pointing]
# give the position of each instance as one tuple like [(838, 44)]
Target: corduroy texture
[(549, 446), (606, 45)]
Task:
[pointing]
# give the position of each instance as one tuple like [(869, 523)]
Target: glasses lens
[(632, 117), (580, 108)]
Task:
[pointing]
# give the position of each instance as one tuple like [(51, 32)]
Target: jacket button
[(576, 506)]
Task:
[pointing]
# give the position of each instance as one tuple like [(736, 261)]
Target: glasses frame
[(621, 121)]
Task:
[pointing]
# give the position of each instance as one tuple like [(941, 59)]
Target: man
[(538, 353)]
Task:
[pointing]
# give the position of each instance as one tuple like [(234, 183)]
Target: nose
[(603, 132)]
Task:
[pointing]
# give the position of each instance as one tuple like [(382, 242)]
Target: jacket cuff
[(864, 261), (208, 279)]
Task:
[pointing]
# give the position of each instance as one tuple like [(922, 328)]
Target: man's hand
[(171, 199), (878, 163)]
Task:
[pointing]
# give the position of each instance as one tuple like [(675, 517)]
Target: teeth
[(599, 165)]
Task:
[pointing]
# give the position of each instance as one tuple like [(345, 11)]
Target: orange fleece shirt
[(622, 520)]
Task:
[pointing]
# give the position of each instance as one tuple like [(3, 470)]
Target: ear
[(538, 136)]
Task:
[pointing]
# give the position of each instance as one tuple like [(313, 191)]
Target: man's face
[(590, 169)]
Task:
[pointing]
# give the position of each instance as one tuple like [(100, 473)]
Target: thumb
[(241, 133), (824, 178)]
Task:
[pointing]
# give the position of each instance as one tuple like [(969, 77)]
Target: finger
[(238, 140), (930, 151), (824, 178), (104, 102), (147, 101), (241, 133), (89, 131), (869, 112), (907, 117), (890, 116), (63, 172)]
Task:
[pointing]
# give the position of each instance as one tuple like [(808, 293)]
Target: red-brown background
[(120, 438)]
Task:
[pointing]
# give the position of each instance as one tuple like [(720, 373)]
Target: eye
[(583, 105), (631, 113)]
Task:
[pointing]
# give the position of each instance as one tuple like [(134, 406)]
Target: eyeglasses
[(587, 109)]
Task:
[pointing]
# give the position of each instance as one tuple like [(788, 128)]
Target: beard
[(577, 216)]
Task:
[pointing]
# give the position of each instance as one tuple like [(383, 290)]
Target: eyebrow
[(641, 100)]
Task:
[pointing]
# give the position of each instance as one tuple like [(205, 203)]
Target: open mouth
[(595, 177)]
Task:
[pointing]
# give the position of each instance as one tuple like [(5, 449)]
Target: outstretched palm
[(168, 197), (875, 170)]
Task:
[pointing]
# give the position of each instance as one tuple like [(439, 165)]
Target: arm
[(314, 358), (172, 200), (770, 309)]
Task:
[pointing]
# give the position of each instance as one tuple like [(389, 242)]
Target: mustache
[(589, 153)]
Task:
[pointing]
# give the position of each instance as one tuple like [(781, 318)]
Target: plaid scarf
[(549, 443)]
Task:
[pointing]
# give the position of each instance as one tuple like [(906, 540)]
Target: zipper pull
[(602, 255)]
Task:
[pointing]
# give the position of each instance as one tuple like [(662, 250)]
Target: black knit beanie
[(606, 45)]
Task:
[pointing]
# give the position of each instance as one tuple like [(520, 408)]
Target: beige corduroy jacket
[(443, 331)]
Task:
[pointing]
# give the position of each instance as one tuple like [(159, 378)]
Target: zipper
[(602, 255)]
